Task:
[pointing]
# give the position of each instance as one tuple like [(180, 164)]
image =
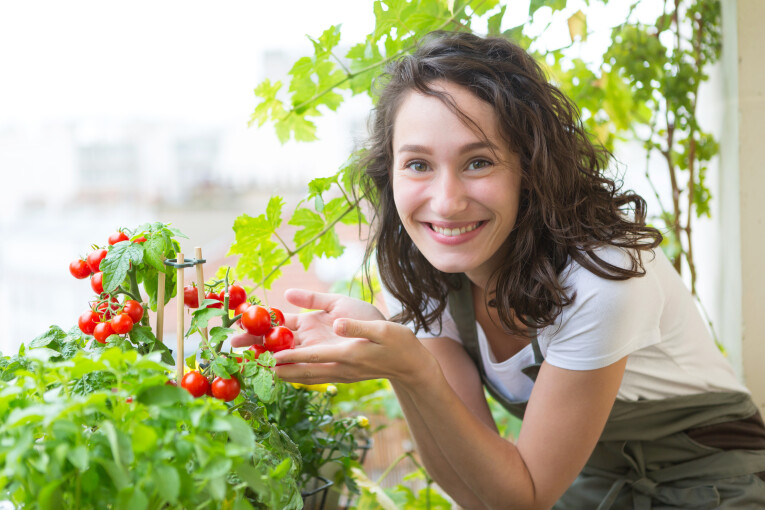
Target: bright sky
[(187, 58)]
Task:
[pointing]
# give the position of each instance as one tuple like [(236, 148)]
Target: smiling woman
[(517, 265)]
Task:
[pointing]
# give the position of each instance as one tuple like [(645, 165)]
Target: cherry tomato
[(226, 389), (95, 258), (241, 307), (139, 240), (79, 269), (107, 309), (97, 282), (87, 322), (256, 320), (278, 338), (190, 296), (117, 237), (103, 331), (195, 383), (236, 296), (257, 349), (213, 295), (134, 310), (277, 317), (122, 323)]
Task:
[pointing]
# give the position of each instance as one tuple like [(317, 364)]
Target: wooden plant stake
[(160, 304), (179, 359), (200, 284)]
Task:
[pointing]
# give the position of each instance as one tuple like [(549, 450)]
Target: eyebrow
[(465, 148)]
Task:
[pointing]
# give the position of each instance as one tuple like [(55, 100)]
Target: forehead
[(420, 113)]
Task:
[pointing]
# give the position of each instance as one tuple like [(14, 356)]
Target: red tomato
[(257, 349), (141, 239), (236, 296), (225, 388), (195, 383), (213, 295), (87, 322), (97, 282), (95, 258), (279, 338), (79, 269), (103, 331), (106, 309), (256, 320), (134, 310), (117, 237), (277, 317), (190, 296), (241, 308), (122, 323)]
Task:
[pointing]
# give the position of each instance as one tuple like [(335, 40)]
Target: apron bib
[(645, 458)]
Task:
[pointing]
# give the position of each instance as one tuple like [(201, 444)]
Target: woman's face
[(456, 195)]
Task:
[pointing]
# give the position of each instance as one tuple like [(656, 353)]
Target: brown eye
[(417, 166), (478, 164)]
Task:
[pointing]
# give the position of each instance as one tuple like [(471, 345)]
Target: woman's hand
[(347, 340)]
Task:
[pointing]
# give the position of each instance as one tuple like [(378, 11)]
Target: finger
[(377, 331), (310, 373), (245, 340), (321, 353), (310, 299)]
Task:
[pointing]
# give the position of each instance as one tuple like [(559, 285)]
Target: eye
[(477, 164), (417, 166)]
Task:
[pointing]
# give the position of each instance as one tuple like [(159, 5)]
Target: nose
[(449, 194)]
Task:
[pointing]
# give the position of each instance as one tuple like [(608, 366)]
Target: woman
[(520, 265)]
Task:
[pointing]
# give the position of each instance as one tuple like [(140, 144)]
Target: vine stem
[(292, 253), (351, 75)]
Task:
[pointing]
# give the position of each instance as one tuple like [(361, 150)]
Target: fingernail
[(341, 326)]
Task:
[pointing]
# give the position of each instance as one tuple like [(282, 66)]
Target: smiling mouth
[(451, 232)]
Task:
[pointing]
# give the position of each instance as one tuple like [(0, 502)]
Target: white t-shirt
[(652, 319)]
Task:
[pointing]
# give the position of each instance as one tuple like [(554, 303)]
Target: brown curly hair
[(568, 206)]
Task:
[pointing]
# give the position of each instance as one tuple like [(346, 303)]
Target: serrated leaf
[(274, 211), (154, 251), (54, 334), (200, 318), (219, 334), (118, 262), (142, 335)]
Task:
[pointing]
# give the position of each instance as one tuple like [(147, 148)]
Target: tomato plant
[(279, 338), (226, 389), (195, 383)]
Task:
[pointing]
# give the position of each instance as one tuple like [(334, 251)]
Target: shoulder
[(608, 319)]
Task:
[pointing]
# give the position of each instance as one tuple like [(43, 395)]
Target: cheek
[(407, 196)]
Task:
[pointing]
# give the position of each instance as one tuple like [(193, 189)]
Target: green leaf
[(117, 263), (495, 21), (132, 498), (219, 334), (165, 395), (142, 335), (154, 251), (49, 497), (200, 317), (274, 211), (555, 5), (54, 335), (168, 483)]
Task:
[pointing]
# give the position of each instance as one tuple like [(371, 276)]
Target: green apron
[(644, 458)]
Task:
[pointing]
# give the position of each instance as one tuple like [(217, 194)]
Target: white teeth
[(455, 231)]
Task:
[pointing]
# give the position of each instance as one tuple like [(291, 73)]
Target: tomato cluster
[(268, 323), (222, 388), (236, 296), (107, 315)]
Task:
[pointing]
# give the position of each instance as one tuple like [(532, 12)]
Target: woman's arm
[(564, 418), (466, 383)]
